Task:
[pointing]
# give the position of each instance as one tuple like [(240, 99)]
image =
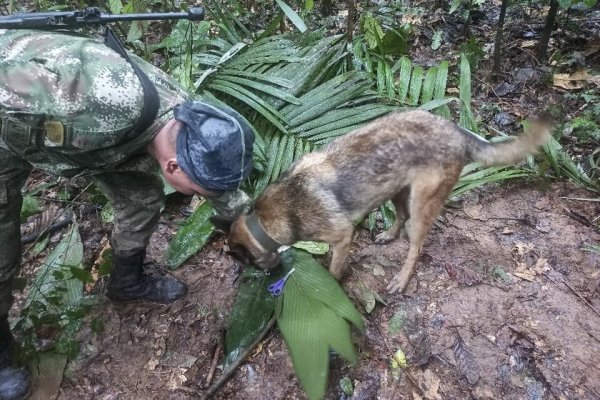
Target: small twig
[(215, 360), (581, 199), (80, 203), (574, 292), (231, 369), (580, 218)]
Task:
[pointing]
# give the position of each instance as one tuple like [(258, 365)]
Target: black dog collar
[(260, 235)]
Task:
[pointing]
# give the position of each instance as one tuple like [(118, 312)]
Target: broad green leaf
[(261, 87), (55, 275), (381, 77), (389, 82), (272, 153), (253, 307), (388, 214), (373, 30), (437, 103), (341, 118), (346, 386), (292, 15), (394, 43), (251, 99), (398, 360), (440, 88), (288, 154), (135, 31), (472, 180), (300, 324), (397, 322), (318, 283), (115, 6), (282, 82), (466, 117), (30, 207), (39, 246), (564, 166), (313, 247), (405, 74), (416, 82), (564, 4), (312, 314), (192, 236), (436, 41), (454, 5), (277, 168), (107, 214), (429, 85)]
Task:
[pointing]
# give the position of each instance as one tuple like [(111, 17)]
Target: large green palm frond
[(291, 89)]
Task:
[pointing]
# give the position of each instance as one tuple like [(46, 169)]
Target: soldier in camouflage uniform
[(69, 105)]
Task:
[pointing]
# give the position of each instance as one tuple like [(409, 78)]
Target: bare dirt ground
[(504, 305)]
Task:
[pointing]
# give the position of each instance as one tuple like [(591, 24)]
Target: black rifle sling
[(151, 100)]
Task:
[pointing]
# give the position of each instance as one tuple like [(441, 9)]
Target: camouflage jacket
[(69, 103)]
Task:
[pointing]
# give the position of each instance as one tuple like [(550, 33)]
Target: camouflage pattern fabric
[(70, 102), (68, 106)]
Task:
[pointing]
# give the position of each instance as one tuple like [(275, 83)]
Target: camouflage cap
[(214, 145)]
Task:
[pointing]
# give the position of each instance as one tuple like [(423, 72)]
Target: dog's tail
[(512, 150)]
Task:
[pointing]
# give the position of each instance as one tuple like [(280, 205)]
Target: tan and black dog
[(413, 158)]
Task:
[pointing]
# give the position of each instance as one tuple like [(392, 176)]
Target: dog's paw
[(397, 285), (384, 238)]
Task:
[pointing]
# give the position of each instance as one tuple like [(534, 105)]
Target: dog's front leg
[(341, 251)]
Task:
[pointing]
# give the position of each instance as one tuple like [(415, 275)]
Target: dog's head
[(243, 246)]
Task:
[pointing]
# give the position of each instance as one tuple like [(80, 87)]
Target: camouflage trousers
[(136, 197)]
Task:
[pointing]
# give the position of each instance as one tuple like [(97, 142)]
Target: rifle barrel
[(65, 19)]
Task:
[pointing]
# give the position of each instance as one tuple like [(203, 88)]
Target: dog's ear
[(221, 223)]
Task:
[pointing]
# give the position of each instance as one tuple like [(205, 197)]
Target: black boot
[(128, 282), (15, 383)]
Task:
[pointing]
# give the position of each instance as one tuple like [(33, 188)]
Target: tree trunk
[(498, 43), (327, 8), (542, 50), (350, 30)]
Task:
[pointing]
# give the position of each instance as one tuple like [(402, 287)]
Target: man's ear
[(171, 165), (221, 223)]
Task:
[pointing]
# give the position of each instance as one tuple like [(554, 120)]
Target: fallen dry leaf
[(152, 364), (592, 47), (528, 43), (430, 386), (528, 276), (576, 80), (177, 380)]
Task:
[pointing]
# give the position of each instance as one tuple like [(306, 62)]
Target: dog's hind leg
[(400, 202), (428, 193)]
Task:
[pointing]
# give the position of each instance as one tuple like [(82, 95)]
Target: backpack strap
[(151, 100)]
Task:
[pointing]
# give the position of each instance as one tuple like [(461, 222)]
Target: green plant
[(55, 302), (313, 314), (585, 129)]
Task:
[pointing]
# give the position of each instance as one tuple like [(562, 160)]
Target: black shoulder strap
[(151, 100)]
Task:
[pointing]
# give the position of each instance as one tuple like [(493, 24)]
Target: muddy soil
[(504, 305)]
